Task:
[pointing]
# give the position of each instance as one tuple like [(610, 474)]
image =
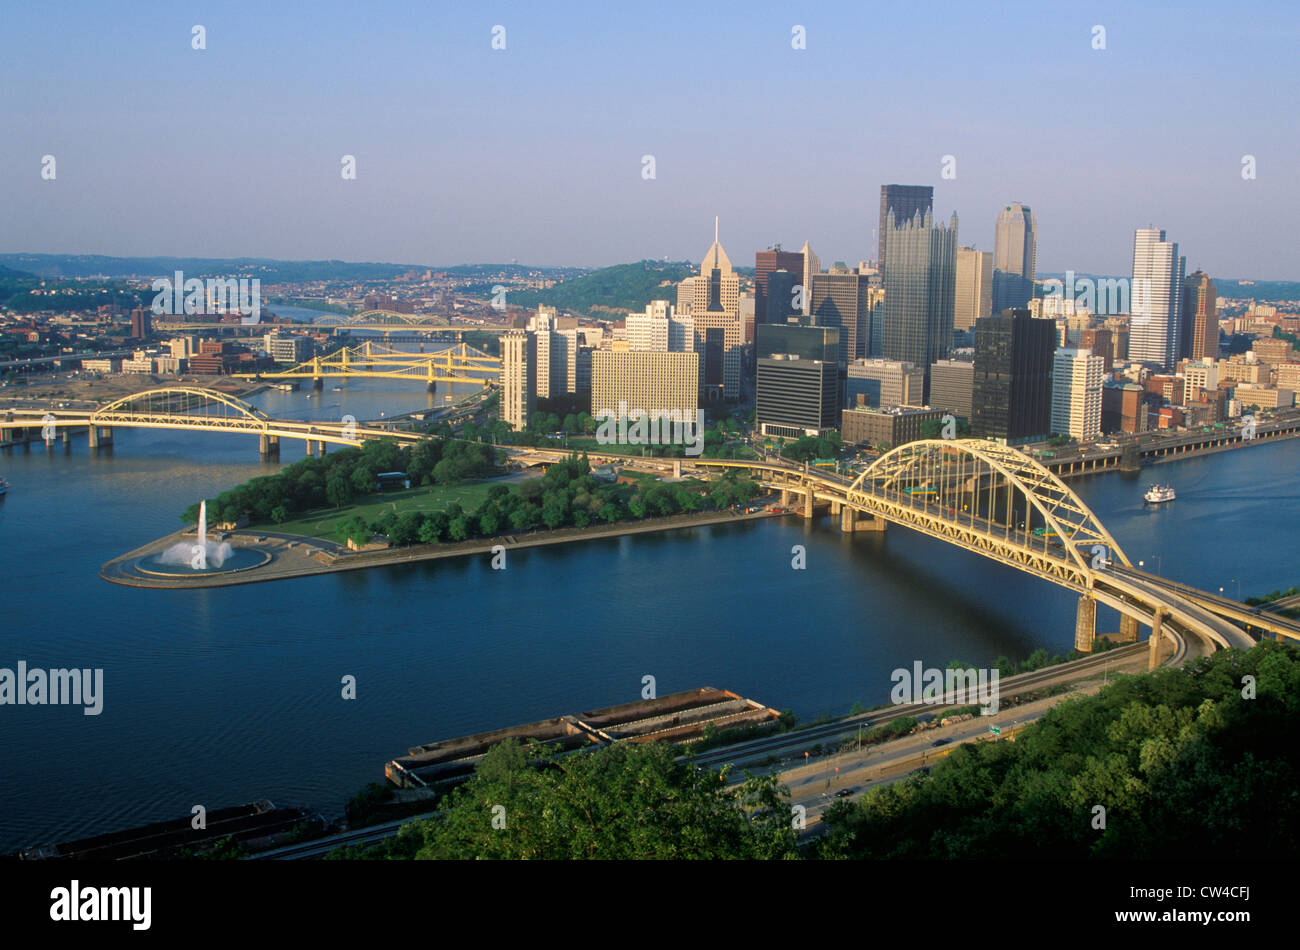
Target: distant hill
[(73, 266), (1259, 289), (8, 273), (611, 291), (1225, 287), (271, 271)]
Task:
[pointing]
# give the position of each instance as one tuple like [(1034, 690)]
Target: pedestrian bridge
[(1006, 506)]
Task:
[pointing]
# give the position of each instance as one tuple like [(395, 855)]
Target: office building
[(973, 297), (141, 322), (518, 377), (805, 341), (1200, 319), (843, 300), (1155, 299), (1012, 400), (1124, 408), (919, 287), (765, 264), (1099, 341), (952, 387), (904, 202), (646, 381), (812, 266), (863, 425), (714, 309), (1015, 257), (884, 383), (796, 397), (1076, 393)]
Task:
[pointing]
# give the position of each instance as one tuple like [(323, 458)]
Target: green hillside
[(611, 290)]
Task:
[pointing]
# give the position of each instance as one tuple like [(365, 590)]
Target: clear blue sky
[(466, 154)]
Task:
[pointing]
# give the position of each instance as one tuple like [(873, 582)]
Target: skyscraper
[(1076, 393), (920, 283), (1012, 399), (1155, 299), (518, 377), (719, 332), (765, 263), (843, 300), (905, 202), (812, 265), (974, 294), (1200, 318), (1015, 257)]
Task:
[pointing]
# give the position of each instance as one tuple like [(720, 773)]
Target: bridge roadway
[(1081, 556), (172, 408)]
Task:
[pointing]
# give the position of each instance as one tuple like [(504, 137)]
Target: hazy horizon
[(534, 152)]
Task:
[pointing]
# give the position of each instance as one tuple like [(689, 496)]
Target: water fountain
[(201, 556)]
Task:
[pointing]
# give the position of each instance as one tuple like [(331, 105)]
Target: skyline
[(534, 152)]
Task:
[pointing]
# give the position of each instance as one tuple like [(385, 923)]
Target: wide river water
[(224, 696)]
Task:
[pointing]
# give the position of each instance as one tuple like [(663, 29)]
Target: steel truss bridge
[(389, 321), (460, 363), (1006, 506), (195, 410)]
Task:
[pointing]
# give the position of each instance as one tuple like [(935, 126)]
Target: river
[(228, 695)]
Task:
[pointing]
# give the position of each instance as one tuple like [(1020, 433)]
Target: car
[(845, 792), (940, 742)]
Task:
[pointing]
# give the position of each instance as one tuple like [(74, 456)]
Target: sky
[(534, 152)]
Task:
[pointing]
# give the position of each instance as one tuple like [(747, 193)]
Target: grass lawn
[(322, 522)]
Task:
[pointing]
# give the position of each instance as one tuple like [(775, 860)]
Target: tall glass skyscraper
[(1155, 299), (1015, 257), (920, 285), (906, 202)]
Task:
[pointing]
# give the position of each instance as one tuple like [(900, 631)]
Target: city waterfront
[(222, 696)]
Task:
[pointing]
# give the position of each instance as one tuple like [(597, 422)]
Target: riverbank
[(301, 556)]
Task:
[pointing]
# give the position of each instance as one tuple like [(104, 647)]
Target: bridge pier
[(808, 502), (268, 446), (1128, 629), (677, 468), (432, 387), (1153, 655), (318, 382), (1085, 624), (99, 436), (852, 520), (787, 498)]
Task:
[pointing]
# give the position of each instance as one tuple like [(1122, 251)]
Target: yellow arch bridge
[(1006, 506), (389, 321), (460, 363), (195, 410)]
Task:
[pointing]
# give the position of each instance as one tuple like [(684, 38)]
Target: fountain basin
[(239, 559)]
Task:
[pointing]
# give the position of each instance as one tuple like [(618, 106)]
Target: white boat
[(4, 486), (1158, 493)]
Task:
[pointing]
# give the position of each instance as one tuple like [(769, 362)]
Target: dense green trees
[(624, 801), (813, 447), (567, 495), (336, 478), (1193, 764)]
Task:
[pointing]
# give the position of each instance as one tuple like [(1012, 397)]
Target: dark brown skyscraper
[(906, 201), (765, 262), (1201, 318)]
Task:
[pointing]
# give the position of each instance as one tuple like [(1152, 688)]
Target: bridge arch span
[(173, 401), (955, 463)]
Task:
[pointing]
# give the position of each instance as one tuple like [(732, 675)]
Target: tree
[(337, 491), (279, 514)]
